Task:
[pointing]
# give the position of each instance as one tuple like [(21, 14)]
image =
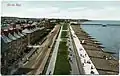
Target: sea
[(106, 32)]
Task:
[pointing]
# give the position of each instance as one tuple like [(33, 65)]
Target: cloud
[(77, 8), (108, 13), (46, 9)]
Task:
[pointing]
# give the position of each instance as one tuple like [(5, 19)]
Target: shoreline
[(97, 55), (114, 52)]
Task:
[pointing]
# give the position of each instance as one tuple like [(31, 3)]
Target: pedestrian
[(84, 61), (49, 72), (88, 61), (91, 67), (92, 72)]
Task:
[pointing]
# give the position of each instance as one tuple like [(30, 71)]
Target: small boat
[(104, 25)]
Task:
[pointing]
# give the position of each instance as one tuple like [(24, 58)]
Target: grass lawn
[(63, 34), (64, 39), (65, 26), (62, 66)]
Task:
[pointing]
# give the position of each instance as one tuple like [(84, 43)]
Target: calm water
[(109, 36)]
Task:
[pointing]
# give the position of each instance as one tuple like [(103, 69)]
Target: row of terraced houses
[(15, 37)]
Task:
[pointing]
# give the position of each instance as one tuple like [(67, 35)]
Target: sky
[(95, 10)]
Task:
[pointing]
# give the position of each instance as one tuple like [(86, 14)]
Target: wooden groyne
[(104, 62)]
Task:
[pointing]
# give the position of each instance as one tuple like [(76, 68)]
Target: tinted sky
[(109, 10)]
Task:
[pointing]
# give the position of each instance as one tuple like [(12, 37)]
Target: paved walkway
[(73, 62), (87, 65), (51, 66)]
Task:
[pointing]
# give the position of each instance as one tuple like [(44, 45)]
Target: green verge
[(64, 39), (62, 66), (63, 34), (65, 26)]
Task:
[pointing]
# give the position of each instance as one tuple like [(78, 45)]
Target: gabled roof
[(4, 45), (27, 31), (20, 34), (11, 37), (24, 33), (41, 28), (35, 29), (16, 35), (6, 39)]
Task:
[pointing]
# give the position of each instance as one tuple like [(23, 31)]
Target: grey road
[(51, 66)]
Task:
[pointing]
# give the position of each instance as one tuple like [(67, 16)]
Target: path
[(51, 66)]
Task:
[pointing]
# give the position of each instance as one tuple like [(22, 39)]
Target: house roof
[(20, 34), (27, 31), (16, 35), (24, 33), (6, 39), (4, 45), (12, 37)]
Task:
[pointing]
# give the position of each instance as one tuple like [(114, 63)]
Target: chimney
[(5, 32), (22, 27), (11, 30), (25, 26), (15, 30), (13, 25), (18, 27), (20, 30), (33, 26), (28, 27)]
